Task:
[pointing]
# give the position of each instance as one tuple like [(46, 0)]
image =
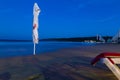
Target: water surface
[(10, 49)]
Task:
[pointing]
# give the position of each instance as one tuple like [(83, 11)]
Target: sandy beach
[(64, 64)]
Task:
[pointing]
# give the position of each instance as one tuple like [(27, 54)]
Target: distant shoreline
[(72, 39)]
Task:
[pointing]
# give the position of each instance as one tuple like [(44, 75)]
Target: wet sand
[(65, 64)]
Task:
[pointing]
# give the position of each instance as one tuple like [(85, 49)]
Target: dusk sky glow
[(59, 18)]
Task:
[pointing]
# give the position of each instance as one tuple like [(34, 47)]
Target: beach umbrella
[(36, 11)]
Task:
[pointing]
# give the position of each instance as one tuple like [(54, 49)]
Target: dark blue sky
[(59, 18)]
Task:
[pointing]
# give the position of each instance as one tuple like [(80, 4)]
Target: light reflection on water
[(10, 49)]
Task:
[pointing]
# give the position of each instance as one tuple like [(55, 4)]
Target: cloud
[(107, 19), (104, 1), (97, 2), (112, 18), (84, 4)]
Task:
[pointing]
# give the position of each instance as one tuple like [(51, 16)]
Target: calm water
[(10, 49)]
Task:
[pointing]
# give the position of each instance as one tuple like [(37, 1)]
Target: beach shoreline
[(64, 64)]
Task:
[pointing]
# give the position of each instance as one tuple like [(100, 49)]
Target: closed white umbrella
[(36, 11)]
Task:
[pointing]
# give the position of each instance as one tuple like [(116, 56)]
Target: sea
[(13, 49)]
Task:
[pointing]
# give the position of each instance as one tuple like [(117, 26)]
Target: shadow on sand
[(5, 76), (72, 68)]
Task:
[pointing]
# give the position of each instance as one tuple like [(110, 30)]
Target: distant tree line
[(79, 39)]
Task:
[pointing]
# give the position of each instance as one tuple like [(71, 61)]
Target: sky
[(59, 18)]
